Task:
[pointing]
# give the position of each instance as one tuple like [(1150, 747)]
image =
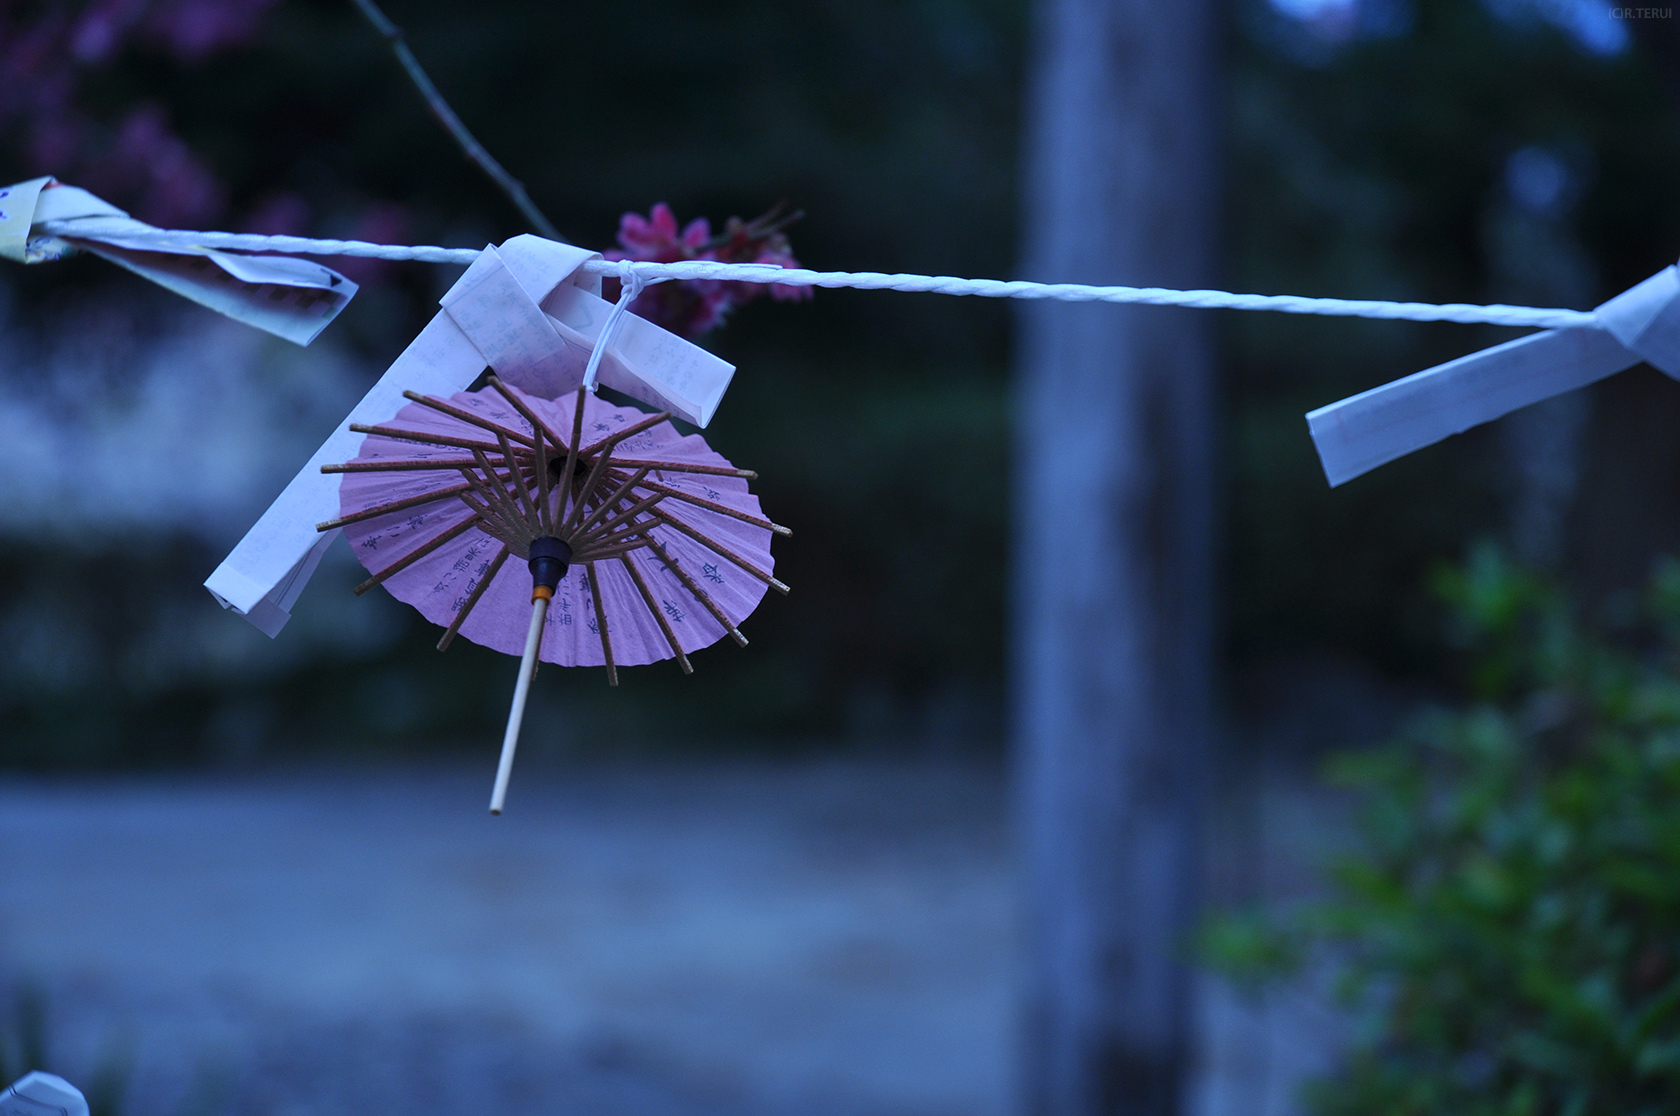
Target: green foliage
[(1509, 932)]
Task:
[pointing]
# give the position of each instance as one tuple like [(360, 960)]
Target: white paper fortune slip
[(541, 341), (1375, 427), (514, 311), (288, 297)]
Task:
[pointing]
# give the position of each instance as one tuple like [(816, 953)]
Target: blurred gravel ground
[(820, 939), (830, 938)]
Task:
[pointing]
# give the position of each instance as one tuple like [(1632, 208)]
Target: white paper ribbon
[(632, 289), (547, 338), (42, 1094), (288, 297), (1375, 427)]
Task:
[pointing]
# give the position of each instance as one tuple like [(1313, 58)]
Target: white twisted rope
[(1527, 316)]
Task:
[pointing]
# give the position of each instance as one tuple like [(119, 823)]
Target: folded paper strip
[(42, 1094), (524, 310), (288, 297), (1375, 427)]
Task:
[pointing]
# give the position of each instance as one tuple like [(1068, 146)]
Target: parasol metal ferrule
[(549, 558)]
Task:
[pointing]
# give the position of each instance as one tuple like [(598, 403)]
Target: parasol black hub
[(557, 465), (549, 556)]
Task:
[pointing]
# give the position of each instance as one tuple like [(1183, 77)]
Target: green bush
[(1508, 933)]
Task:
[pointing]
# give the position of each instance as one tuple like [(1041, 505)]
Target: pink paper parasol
[(652, 549)]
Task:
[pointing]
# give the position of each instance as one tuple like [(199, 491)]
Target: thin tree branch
[(511, 186)]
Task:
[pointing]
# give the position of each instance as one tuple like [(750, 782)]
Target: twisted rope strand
[(1522, 316)]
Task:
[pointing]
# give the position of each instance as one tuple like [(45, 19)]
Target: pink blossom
[(30, 57), (150, 165), (137, 161), (99, 34), (55, 139), (192, 30), (694, 307), (655, 237)]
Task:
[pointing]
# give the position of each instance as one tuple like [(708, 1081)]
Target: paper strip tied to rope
[(291, 298), (1375, 427)]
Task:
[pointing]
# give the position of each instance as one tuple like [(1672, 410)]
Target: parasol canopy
[(634, 542)]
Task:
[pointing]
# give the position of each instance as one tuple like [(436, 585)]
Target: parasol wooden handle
[(521, 691)]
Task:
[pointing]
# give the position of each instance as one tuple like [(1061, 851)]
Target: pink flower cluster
[(693, 307), (47, 47)]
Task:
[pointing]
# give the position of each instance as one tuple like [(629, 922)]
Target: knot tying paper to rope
[(633, 287)]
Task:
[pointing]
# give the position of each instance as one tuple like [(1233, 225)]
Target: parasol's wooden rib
[(693, 587), (621, 518), (603, 542), (603, 451), (472, 598), (400, 464), (525, 412), (713, 505), (545, 509), (425, 437), (560, 516), (596, 547), (699, 594), (618, 436), (618, 494), (493, 507), (510, 507), (684, 467), (495, 525), (600, 613), (497, 507), (393, 506), (518, 476), (571, 457), (496, 504), (720, 549), (468, 416), (630, 530), (567, 476), (581, 497), (418, 553), (615, 551), (664, 624)]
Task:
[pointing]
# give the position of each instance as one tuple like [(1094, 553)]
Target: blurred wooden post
[(1113, 573)]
